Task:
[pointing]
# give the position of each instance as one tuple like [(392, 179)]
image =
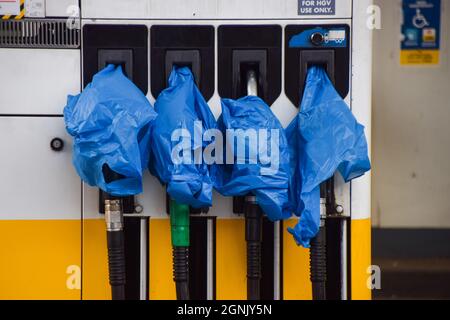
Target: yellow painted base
[(95, 261), (361, 259), (40, 259), (296, 283), (231, 260), (161, 284)]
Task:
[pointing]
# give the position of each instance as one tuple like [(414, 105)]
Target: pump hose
[(181, 272), (179, 225), (116, 248), (253, 237), (116, 264), (318, 265)]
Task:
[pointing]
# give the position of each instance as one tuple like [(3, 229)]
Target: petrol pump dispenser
[(110, 122), (312, 51), (328, 47), (254, 31), (182, 58), (248, 205), (250, 65), (182, 110), (253, 217), (247, 65), (127, 47), (229, 46)]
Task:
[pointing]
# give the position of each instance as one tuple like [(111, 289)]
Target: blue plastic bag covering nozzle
[(324, 137), (177, 141), (259, 162), (110, 122)]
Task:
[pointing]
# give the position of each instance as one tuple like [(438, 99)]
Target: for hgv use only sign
[(316, 7)]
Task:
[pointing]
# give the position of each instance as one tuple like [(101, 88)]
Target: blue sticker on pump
[(333, 38)]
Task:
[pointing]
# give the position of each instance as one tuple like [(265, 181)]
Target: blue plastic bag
[(263, 169), (177, 141), (110, 122), (324, 137)]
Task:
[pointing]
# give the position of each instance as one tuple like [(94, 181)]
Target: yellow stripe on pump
[(95, 261), (41, 259), (231, 258), (361, 259), (161, 284), (296, 283)]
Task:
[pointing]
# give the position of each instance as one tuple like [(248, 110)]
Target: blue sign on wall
[(421, 31)]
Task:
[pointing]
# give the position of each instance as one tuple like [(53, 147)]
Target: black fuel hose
[(253, 237), (181, 271), (318, 265), (116, 248), (318, 251)]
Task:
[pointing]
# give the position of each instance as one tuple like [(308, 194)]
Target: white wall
[(411, 131)]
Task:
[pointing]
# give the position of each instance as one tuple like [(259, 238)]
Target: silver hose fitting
[(250, 199), (323, 211), (252, 83), (113, 215)]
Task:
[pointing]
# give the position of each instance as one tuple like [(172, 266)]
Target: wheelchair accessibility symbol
[(419, 21)]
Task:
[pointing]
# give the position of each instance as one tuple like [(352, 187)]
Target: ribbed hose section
[(318, 265), (181, 271), (253, 237), (253, 270), (116, 263)]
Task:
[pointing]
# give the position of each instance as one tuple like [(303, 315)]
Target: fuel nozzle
[(253, 222)]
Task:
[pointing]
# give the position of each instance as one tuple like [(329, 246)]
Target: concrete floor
[(404, 279)]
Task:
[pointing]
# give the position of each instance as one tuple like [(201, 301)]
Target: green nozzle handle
[(179, 224)]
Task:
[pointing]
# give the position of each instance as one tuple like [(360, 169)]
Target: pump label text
[(316, 7)]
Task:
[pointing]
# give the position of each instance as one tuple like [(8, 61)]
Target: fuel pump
[(249, 65), (183, 58), (253, 222), (317, 66), (110, 122), (311, 46), (146, 40), (113, 207), (125, 46)]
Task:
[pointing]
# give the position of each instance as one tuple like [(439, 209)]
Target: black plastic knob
[(57, 144), (317, 39)]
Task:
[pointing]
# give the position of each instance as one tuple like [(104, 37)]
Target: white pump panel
[(211, 9)]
